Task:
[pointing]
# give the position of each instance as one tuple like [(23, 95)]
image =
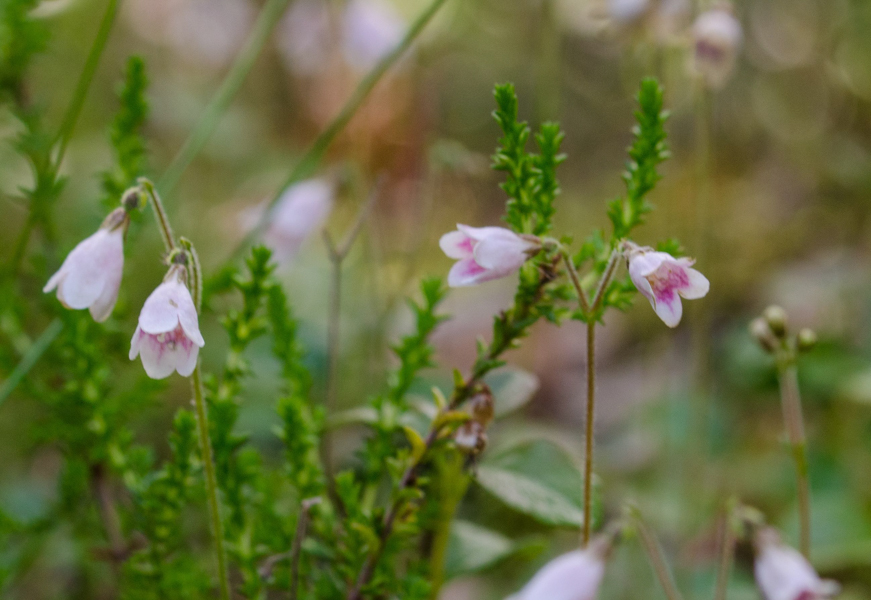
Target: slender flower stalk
[(771, 331), (188, 256), (727, 555), (790, 398), (160, 214), (590, 312), (205, 440)]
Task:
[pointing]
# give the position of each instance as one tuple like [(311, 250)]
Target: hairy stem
[(266, 21), (159, 214), (312, 158), (211, 483), (792, 414)]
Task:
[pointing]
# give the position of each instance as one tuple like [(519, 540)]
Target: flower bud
[(776, 318), (481, 407), (807, 339), (471, 437), (134, 199), (760, 329)]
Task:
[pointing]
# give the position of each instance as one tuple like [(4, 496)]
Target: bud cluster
[(771, 330), (471, 436)]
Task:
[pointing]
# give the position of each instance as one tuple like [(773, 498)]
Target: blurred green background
[(768, 186)]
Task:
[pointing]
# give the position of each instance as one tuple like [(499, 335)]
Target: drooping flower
[(91, 274), (168, 335), (484, 253), (782, 573), (302, 210), (664, 279), (717, 36), (575, 575), (624, 12)]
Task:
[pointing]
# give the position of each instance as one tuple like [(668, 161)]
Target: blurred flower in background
[(717, 37)]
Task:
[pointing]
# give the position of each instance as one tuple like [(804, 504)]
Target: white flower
[(576, 575), (782, 573), (484, 253), (305, 39), (168, 335), (717, 35), (302, 209), (664, 279), (371, 30), (91, 274)]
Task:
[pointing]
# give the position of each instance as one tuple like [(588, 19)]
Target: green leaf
[(537, 479), (473, 548), (512, 389)]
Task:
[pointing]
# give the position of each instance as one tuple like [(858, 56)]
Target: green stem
[(792, 413), (211, 483), (30, 358), (266, 21), (85, 79), (313, 156)]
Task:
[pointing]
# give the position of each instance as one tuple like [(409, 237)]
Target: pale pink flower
[(575, 575), (664, 280), (168, 335), (782, 573), (302, 210), (484, 253), (91, 274), (717, 36), (371, 28)]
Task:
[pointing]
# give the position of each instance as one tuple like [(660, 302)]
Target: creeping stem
[(792, 414)]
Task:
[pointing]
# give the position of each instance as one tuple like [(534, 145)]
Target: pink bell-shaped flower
[(664, 280), (168, 335), (91, 274), (575, 575), (484, 253), (782, 573)]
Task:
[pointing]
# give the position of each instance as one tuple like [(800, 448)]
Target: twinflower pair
[(486, 253), (168, 336)]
